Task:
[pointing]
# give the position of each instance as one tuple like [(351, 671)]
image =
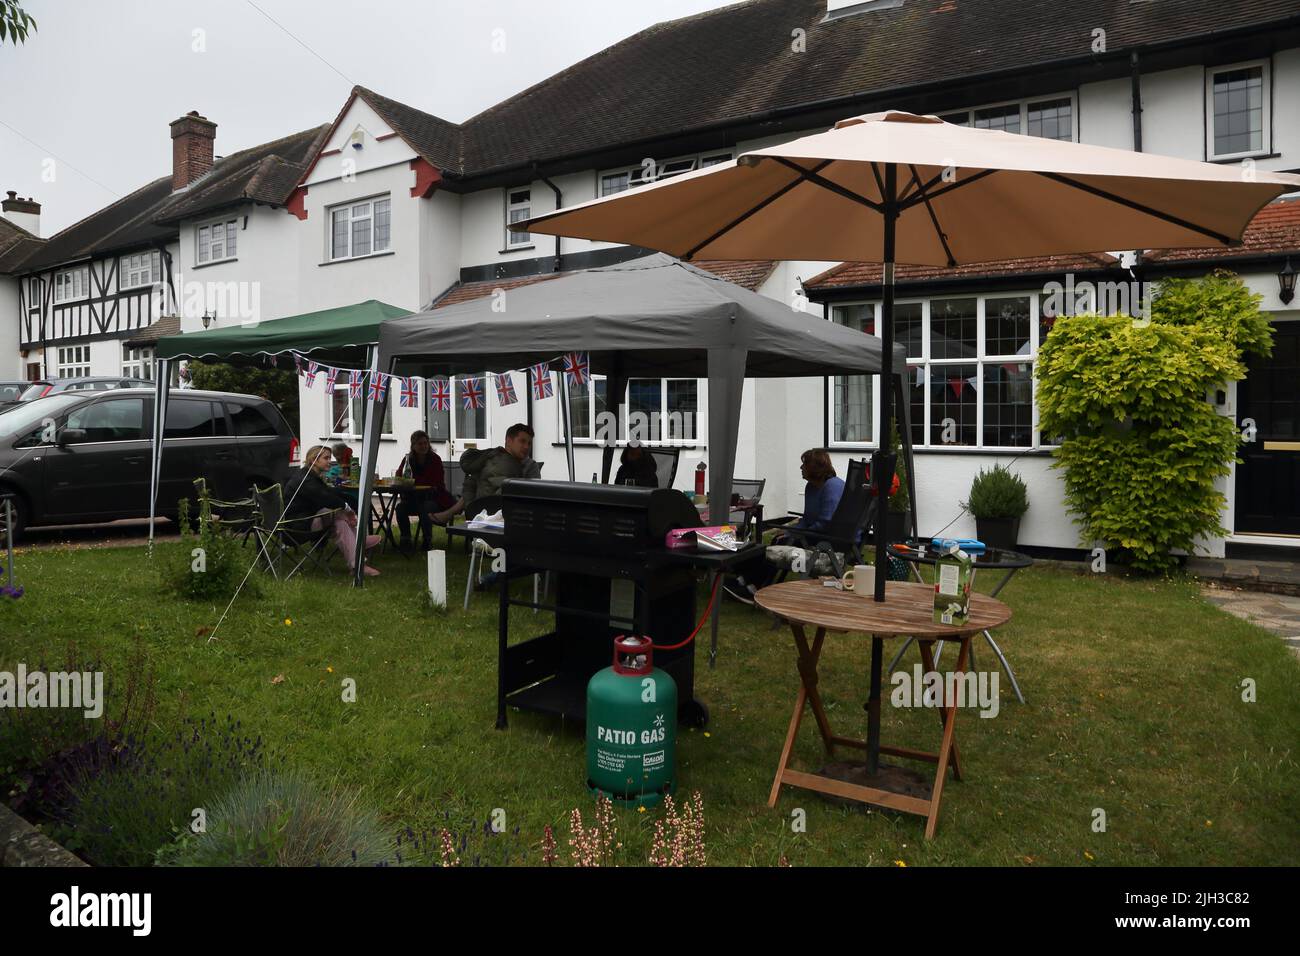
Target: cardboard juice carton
[(952, 580)]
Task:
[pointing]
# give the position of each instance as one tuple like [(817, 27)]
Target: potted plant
[(997, 499)]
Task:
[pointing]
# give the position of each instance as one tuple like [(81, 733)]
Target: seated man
[(306, 494), (821, 497), (486, 470), (424, 465)]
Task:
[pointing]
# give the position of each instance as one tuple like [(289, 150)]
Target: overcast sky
[(96, 85)]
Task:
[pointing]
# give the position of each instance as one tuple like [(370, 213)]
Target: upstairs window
[(216, 241), (360, 229), (72, 284), (619, 180), (1051, 118), (143, 268), (1238, 111), (519, 206)]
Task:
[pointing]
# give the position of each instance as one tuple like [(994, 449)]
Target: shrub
[(1140, 444), (280, 818), (901, 500), (121, 809), (209, 564), (997, 493)]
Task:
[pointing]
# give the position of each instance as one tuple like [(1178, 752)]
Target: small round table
[(907, 611), (992, 559)]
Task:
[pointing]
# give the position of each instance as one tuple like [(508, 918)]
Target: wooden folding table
[(907, 611)]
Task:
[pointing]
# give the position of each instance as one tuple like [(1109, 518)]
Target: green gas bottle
[(632, 726)]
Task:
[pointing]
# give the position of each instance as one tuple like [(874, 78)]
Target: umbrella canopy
[(964, 195), (896, 187), (338, 337)]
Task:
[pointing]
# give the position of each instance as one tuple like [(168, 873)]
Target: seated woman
[(636, 466), (821, 496), (307, 494), (423, 464)]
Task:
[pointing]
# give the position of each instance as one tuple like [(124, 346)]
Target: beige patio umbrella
[(896, 187)]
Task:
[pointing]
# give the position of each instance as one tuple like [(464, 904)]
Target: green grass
[(1133, 688)]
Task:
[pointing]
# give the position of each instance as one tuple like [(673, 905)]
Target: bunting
[(410, 392), (354, 384), (440, 395), (471, 393), (576, 368), (505, 389), (378, 387), (542, 387)]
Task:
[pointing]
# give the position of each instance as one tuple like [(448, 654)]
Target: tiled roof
[(1275, 230), (267, 173), (16, 245), (751, 275), (167, 325), (434, 138)]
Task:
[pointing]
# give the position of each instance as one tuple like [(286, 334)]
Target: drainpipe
[(1136, 85), (558, 266)]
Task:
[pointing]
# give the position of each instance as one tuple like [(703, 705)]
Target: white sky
[(96, 85)]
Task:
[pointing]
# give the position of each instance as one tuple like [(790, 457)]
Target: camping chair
[(280, 538), (748, 489), (665, 460), (839, 544), (238, 518)]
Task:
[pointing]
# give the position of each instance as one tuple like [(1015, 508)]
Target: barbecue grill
[(604, 548)]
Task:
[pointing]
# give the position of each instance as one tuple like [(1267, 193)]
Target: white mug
[(860, 579)]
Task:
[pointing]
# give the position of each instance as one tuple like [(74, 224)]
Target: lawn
[(1134, 707)]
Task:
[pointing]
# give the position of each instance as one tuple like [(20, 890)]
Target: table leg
[(807, 690), (1005, 666), (947, 747), (928, 662), (899, 656), (715, 588), (873, 707)]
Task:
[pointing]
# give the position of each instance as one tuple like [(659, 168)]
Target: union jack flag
[(331, 379), (410, 393), (471, 393), (312, 370), (354, 384), (542, 387), (440, 395), (297, 362), (575, 368), (378, 387), (506, 389)]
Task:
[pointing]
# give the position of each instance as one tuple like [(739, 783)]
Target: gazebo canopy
[(338, 337)]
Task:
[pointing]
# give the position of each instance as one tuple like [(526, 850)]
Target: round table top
[(922, 553), (907, 611)]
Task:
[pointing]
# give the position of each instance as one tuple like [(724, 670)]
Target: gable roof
[(433, 138), (16, 245), (737, 63), (265, 173)]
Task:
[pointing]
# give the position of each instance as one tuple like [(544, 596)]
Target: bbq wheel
[(694, 713)]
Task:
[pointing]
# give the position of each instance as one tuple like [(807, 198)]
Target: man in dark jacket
[(487, 470)]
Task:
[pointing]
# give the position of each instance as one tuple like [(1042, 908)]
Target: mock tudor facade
[(391, 203)]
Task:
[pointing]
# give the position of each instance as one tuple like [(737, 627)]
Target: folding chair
[(235, 517), (838, 545), (748, 489), (287, 539)]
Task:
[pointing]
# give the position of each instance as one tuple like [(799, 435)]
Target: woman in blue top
[(821, 496)]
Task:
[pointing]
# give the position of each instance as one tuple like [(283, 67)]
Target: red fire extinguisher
[(699, 478)]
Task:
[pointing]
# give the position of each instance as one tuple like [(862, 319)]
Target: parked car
[(11, 392), (43, 388), (83, 456)]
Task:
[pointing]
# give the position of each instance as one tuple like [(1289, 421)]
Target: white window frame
[(353, 216), (139, 269), (137, 362), (354, 429), (73, 361), (1024, 112), (701, 413), (518, 240), (664, 169), (71, 285), (927, 364), (454, 439), (1266, 94), (204, 241)]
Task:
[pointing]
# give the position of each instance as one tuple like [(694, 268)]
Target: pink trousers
[(344, 534)]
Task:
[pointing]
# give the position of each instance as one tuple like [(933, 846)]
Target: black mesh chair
[(839, 545), (281, 539), (665, 459)]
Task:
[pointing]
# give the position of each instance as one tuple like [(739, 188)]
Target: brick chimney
[(24, 213), (192, 138)]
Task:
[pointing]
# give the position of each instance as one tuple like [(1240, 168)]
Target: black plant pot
[(1000, 533)]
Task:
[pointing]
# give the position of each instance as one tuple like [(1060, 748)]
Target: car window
[(119, 419), (11, 393), (189, 419), (249, 420), (35, 390)]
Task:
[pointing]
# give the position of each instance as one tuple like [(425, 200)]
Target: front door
[(1268, 479)]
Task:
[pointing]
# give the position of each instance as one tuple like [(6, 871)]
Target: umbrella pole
[(882, 470)]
